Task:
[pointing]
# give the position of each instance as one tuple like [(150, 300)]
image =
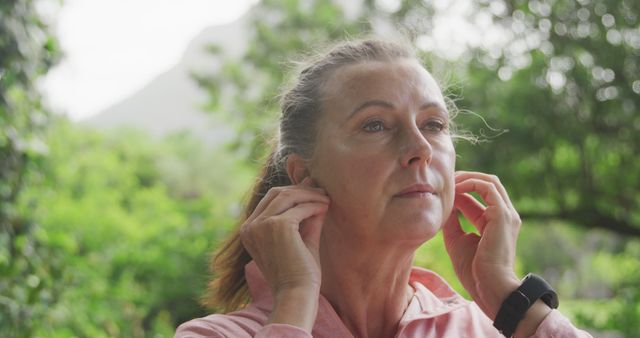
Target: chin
[(421, 229)]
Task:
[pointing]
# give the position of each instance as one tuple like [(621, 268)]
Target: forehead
[(398, 81)]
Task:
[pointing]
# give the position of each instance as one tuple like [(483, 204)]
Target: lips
[(417, 190)]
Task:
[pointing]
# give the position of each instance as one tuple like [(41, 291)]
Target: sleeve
[(282, 331), (195, 329), (557, 325), (217, 326)]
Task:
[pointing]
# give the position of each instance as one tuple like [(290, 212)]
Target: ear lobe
[(296, 169)]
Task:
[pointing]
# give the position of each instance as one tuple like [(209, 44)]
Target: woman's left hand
[(484, 263)]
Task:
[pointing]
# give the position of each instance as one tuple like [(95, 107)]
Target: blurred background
[(130, 132)]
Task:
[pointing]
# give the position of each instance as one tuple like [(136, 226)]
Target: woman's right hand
[(282, 235)]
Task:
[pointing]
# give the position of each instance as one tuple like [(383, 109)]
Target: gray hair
[(301, 105)]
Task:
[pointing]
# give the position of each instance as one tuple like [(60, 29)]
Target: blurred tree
[(27, 50), (567, 88), (130, 219), (249, 86)]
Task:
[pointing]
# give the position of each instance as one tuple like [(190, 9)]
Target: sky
[(112, 48)]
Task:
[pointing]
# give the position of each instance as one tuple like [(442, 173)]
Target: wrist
[(494, 293), (295, 306), (532, 319)]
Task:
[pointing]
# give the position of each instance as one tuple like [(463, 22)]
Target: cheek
[(354, 171), (350, 174)]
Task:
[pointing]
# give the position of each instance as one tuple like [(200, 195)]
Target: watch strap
[(513, 308)]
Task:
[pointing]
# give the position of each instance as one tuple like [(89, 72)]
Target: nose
[(417, 150)]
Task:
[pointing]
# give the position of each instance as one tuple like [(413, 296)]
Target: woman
[(362, 175)]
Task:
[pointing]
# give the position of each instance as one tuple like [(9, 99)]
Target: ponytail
[(228, 290)]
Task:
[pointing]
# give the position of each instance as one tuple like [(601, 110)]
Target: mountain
[(172, 101)]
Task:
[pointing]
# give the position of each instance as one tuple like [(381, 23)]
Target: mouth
[(417, 190)]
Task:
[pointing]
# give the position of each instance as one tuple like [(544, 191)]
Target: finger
[(303, 211), (487, 190), (312, 183), (452, 230), (311, 230), (472, 210), (291, 219), (461, 246), (289, 198), (463, 175), (307, 183), (262, 204), (274, 192)]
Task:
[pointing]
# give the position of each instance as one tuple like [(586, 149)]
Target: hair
[(301, 106)]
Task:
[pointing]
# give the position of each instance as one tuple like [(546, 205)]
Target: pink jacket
[(436, 310)]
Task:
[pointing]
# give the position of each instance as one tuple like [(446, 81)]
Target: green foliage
[(249, 87), (101, 235), (130, 220), (564, 89), (27, 50)]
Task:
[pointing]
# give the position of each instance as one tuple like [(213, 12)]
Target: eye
[(374, 126), (434, 126)]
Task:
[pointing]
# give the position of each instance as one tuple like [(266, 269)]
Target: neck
[(367, 285)]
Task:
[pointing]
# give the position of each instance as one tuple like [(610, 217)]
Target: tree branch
[(588, 219)]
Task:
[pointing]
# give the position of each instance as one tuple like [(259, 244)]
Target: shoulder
[(243, 323)]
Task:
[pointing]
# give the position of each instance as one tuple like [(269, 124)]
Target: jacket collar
[(433, 293)]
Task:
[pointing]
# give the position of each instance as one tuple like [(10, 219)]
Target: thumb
[(452, 230), (311, 229)]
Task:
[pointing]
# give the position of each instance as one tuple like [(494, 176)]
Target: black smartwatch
[(519, 301)]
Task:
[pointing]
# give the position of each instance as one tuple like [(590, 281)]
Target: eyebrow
[(371, 103), (385, 104)]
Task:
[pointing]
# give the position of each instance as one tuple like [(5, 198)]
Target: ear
[(296, 168)]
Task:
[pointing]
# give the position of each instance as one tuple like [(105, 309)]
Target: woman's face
[(384, 153)]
